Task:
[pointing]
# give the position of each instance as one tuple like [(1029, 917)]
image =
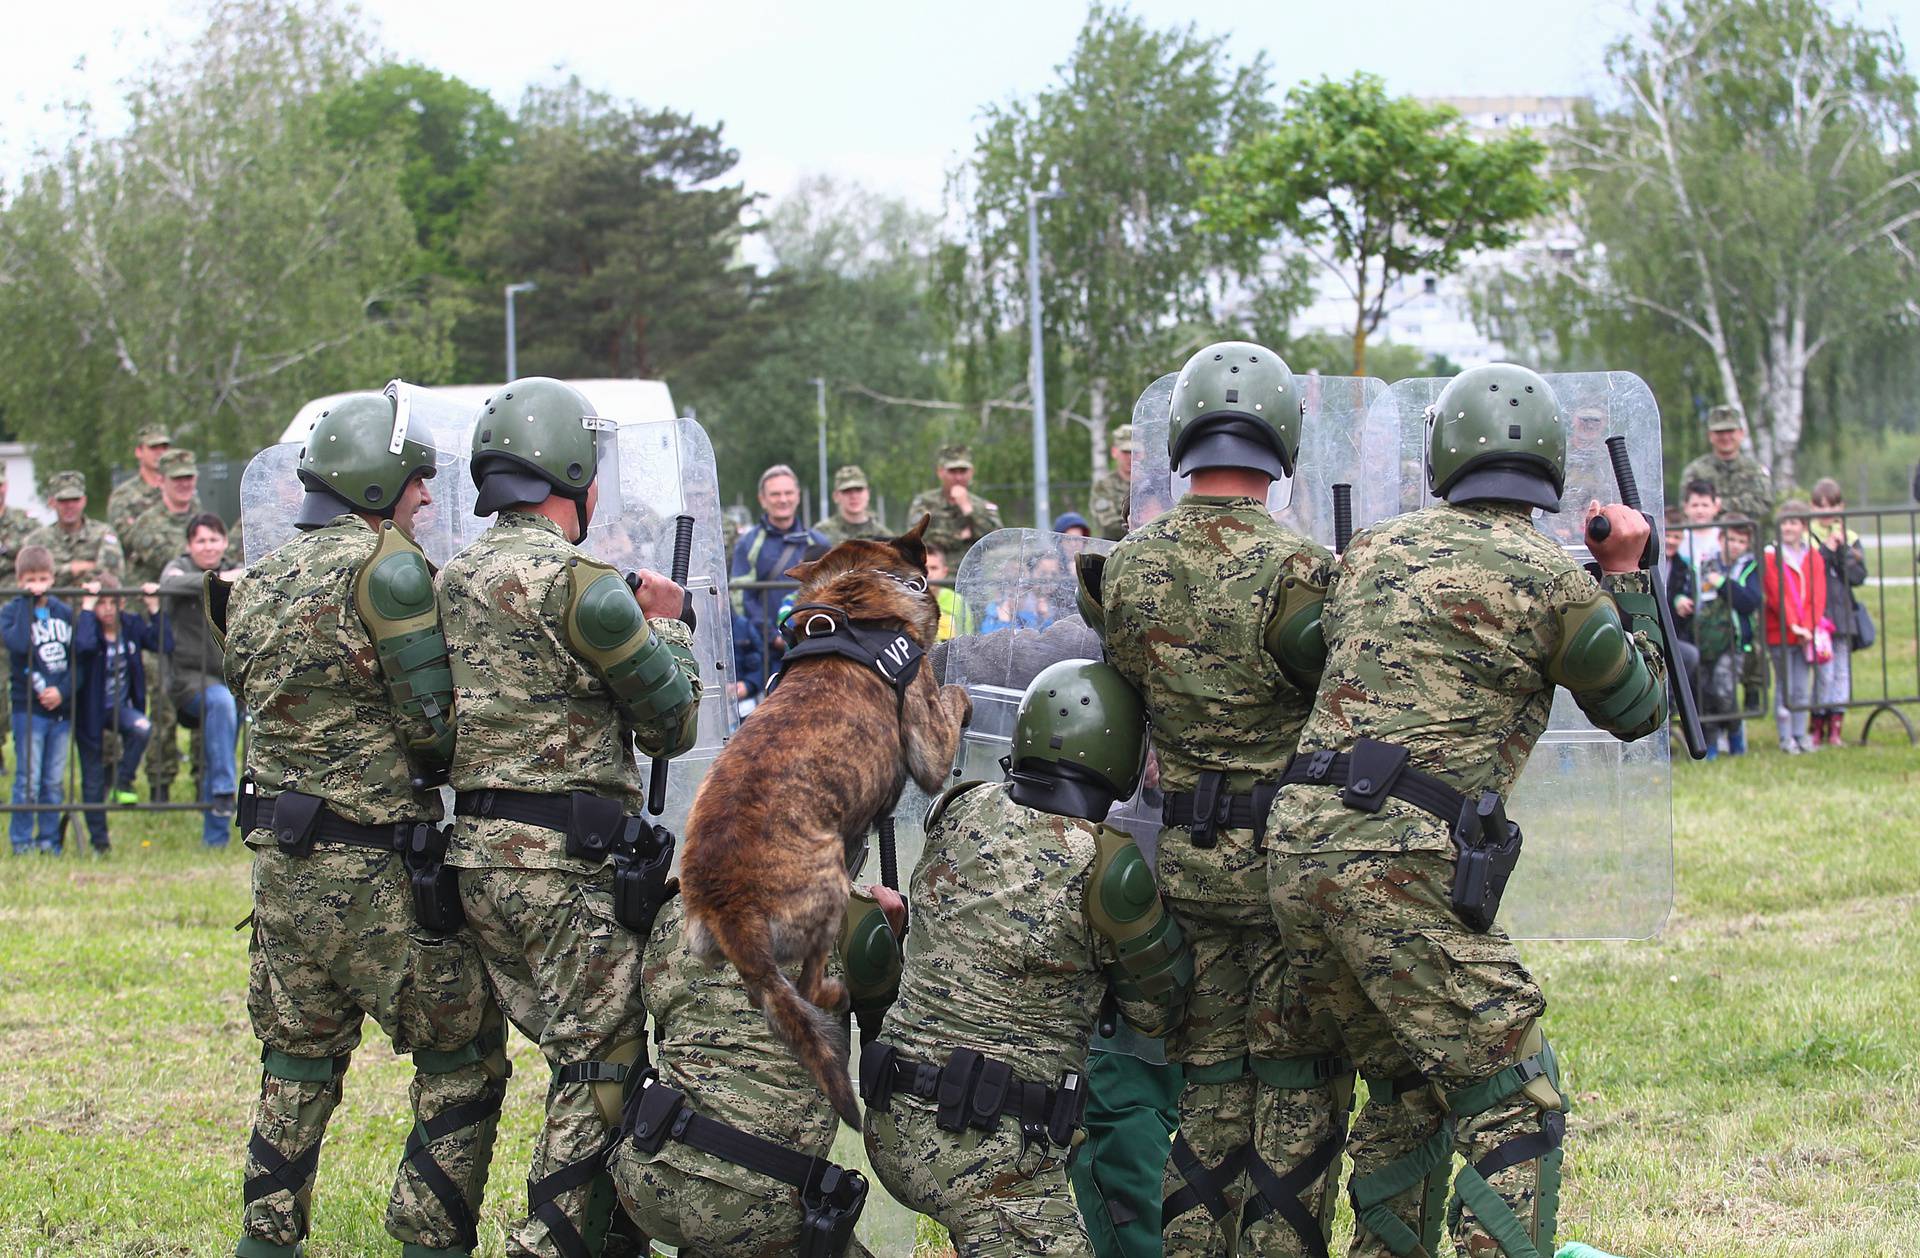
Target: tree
[(1378, 188), (618, 214), (1755, 189), (218, 263), (1129, 278)]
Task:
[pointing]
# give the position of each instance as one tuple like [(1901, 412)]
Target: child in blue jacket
[(107, 642), (38, 631)]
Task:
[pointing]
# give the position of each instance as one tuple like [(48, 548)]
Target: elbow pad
[(1089, 570), (1153, 967), (869, 954), (394, 595), (1598, 661), (1295, 637), (606, 628)]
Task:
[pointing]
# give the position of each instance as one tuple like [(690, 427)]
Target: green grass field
[(1744, 1084)]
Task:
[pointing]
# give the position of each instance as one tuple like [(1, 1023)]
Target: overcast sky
[(884, 92)]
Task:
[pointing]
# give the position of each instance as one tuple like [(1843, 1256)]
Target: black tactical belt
[(529, 808), (1207, 809), (974, 1090), (1370, 774), (831, 1195), (256, 812)]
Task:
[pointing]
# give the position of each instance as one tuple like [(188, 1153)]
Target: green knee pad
[(1536, 1076)]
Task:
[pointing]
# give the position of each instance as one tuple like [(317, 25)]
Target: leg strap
[(1205, 1184), (279, 1173), (303, 1069), (1370, 1193), (419, 1155), (428, 1061), (1280, 1194), (1538, 1076), (543, 1198)]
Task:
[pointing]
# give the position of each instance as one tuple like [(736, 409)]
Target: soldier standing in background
[(334, 646), (1112, 490), (132, 496), (959, 519), (1745, 488), (79, 546), (157, 536), (851, 516)]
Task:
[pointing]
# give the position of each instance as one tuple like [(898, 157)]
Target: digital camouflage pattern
[(1107, 504), (301, 663), (16, 526), (532, 715), (836, 528), (1440, 624), (93, 542), (951, 530), (333, 943), (130, 500), (715, 1046), (568, 976), (1744, 487), (1000, 959), (1188, 599), (155, 536)]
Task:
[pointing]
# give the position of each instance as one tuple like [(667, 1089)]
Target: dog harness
[(819, 629)]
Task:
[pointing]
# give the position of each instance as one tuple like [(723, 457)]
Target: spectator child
[(38, 630), (1701, 505), (1723, 632), (1794, 582), (953, 613), (1846, 564), (112, 697)]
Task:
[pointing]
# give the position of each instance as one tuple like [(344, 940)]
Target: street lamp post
[(1036, 357), (820, 407), (513, 354)]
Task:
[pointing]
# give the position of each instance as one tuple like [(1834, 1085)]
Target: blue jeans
[(219, 721), (135, 729), (40, 756)]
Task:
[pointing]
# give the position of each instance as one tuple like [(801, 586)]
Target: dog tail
[(815, 1036)]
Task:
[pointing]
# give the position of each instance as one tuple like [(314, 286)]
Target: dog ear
[(802, 572), (910, 546)]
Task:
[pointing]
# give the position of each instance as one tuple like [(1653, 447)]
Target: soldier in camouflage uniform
[(15, 527), (79, 546), (560, 670), (157, 536), (851, 518), (1212, 611), (1028, 916), (1112, 490), (132, 496), (1447, 631), (959, 519), (348, 739), (739, 1180), (1745, 489)]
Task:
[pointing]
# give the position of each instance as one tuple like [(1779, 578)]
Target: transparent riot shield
[(271, 492), (650, 475), (1597, 812), (1335, 447)]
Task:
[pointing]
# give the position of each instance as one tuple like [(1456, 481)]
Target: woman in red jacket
[(1794, 581)]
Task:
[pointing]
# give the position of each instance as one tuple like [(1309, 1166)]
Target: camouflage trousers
[(163, 746), (1259, 1100), (995, 1197), (334, 942), (701, 1215), (568, 976), (1437, 1019)]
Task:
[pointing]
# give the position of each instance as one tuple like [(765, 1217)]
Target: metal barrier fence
[(159, 668)]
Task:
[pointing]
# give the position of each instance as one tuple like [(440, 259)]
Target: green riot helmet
[(1496, 433), (1079, 740), (1235, 405), (536, 436), (358, 457)]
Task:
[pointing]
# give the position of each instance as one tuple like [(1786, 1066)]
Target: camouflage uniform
[(1000, 959), (1440, 626), (1742, 484), (1188, 598), (156, 537), (712, 1045), (93, 542), (532, 716), (131, 499), (951, 531), (334, 938), (1107, 504), (836, 528)]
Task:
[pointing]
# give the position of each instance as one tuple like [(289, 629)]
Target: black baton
[(682, 559)]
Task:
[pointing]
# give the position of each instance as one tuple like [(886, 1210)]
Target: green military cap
[(849, 477), (153, 435), (1123, 435), (1725, 419), (955, 456), (177, 462), (66, 485)]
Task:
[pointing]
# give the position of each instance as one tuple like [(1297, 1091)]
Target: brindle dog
[(763, 871)]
